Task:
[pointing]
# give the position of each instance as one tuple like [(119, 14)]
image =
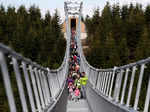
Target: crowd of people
[(76, 80)]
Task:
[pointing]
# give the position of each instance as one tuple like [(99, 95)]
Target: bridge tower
[(73, 8)]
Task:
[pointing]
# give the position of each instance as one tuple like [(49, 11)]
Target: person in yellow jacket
[(83, 80), (77, 82)]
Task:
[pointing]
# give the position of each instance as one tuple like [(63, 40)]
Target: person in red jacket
[(75, 58)]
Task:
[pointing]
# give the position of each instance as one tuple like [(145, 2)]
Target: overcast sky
[(51, 5)]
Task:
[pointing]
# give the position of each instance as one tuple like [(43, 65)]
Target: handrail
[(112, 82)]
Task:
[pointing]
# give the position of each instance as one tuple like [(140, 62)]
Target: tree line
[(118, 35), (35, 37)]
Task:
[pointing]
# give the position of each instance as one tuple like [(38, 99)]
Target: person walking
[(83, 80), (77, 94), (78, 82)]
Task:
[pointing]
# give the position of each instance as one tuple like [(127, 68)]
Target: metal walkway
[(79, 106)]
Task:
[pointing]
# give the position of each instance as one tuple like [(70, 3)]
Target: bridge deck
[(79, 106)]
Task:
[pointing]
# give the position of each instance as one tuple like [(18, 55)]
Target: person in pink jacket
[(77, 94)]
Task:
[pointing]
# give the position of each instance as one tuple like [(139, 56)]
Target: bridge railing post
[(57, 78), (106, 81), (103, 78), (108, 86), (39, 87), (118, 85), (35, 88), (147, 101), (54, 84), (63, 77), (64, 72), (101, 81), (89, 73), (19, 84), (49, 81), (48, 86), (112, 81), (94, 78), (59, 75), (139, 87), (131, 86), (7, 83), (45, 87), (58, 83), (124, 85), (28, 84), (42, 88), (85, 65), (98, 80)]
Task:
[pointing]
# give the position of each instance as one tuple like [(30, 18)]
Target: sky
[(51, 5)]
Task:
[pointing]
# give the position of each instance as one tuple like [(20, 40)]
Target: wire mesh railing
[(128, 85)]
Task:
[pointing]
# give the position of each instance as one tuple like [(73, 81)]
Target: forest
[(118, 35), (36, 37)]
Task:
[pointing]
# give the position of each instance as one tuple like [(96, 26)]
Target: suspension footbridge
[(107, 90)]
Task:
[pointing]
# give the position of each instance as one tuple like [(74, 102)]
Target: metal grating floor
[(79, 106)]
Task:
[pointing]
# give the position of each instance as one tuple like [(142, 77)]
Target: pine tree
[(142, 51), (11, 24), (111, 54), (2, 25), (147, 18), (136, 25), (20, 31), (117, 23), (124, 18), (95, 23), (123, 51), (106, 22), (147, 14)]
